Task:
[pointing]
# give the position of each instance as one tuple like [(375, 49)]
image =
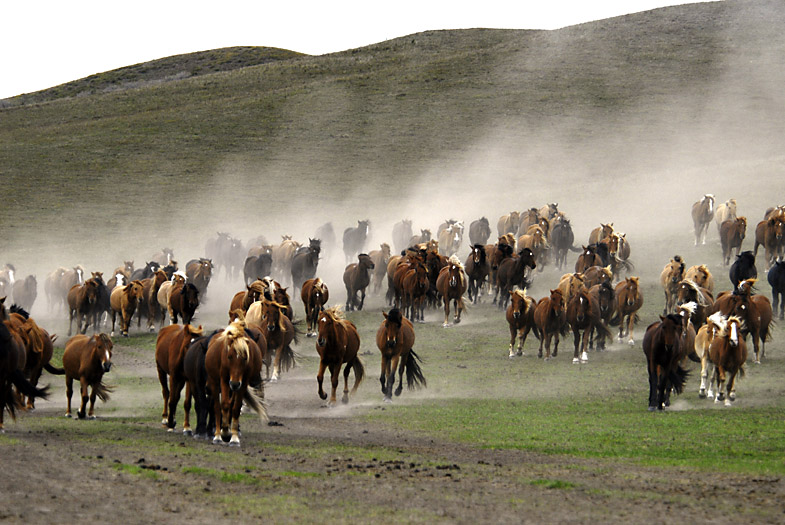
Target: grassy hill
[(432, 124)]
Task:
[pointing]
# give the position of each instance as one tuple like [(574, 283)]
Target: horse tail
[(359, 373), (603, 330), (102, 391), (52, 370), (256, 402), (288, 358), (678, 378), (414, 376), (693, 356), (616, 319), (26, 388)]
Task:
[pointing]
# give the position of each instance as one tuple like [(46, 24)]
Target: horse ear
[(384, 314)]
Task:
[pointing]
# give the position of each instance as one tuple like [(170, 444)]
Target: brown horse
[(725, 211), (597, 275), (583, 314), (520, 319), (395, 338), (451, 285), (165, 291), (170, 348), (183, 302), (124, 300), (570, 284), (411, 282), (338, 343), (537, 242), (700, 275), (314, 295), (87, 359), (702, 215), (198, 273), (671, 276), (605, 297), (496, 253), (588, 258), (688, 291), (38, 348), (356, 278), (662, 348), (150, 287), (600, 232), (732, 236), (728, 352), (243, 300), (82, 306), (629, 300), (233, 360), (508, 223), (754, 310), (270, 317), (514, 272), (550, 317), (450, 238), (769, 233), (380, 259), (59, 282)]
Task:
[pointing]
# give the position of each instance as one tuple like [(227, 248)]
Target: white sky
[(45, 43)]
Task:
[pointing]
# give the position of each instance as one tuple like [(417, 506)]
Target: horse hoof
[(91, 417), (631, 342), (345, 400), (511, 355), (188, 432), (702, 394), (652, 409), (170, 429), (584, 357), (575, 360), (732, 396), (387, 399), (217, 441), (68, 415)]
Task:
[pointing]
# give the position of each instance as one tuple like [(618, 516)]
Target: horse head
[(102, 351), (393, 323), (236, 354)]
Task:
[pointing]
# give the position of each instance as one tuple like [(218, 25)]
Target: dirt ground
[(52, 474)]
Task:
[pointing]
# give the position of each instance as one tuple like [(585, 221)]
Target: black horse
[(513, 272), (743, 268), (354, 239), (143, 273), (479, 231), (304, 263), (776, 279), (257, 267), (195, 373), (663, 351)]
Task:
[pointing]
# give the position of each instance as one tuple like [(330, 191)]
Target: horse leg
[(83, 383), (187, 410), (584, 343), (719, 374), (320, 379), (91, 412), (69, 391), (114, 319), (756, 344), (542, 341), (236, 409), (446, 312), (226, 412), (175, 386), (513, 336), (630, 326), (383, 376), (277, 363), (458, 310), (335, 373), (652, 388), (704, 373), (576, 340), (346, 370), (362, 299), (165, 394), (555, 343)]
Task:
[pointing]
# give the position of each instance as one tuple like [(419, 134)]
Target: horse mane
[(235, 332), (689, 307), (456, 261), (726, 325), (718, 320), (16, 309)]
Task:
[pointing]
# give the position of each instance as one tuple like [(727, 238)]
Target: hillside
[(477, 121)]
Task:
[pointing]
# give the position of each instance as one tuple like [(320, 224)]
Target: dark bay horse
[(451, 285), (776, 278), (314, 295), (662, 348), (39, 348), (513, 272), (233, 360), (688, 291), (728, 353), (702, 215), (304, 263), (743, 268), (87, 359), (520, 319), (183, 302), (354, 239), (257, 267), (196, 386), (583, 315), (412, 284), (356, 278), (551, 318), (629, 300), (479, 231), (770, 234), (338, 343), (170, 348), (753, 309), (732, 235), (395, 339), (477, 270), (82, 306), (562, 239), (605, 297)]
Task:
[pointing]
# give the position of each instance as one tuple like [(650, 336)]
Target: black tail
[(288, 358), (414, 376), (26, 388), (102, 391), (52, 370), (694, 357), (678, 378)]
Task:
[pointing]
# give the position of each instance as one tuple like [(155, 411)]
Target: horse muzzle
[(234, 386), (391, 343), (516, 315), (321, 341), (107, 366)]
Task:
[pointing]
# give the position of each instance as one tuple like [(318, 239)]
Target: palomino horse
[(570, 284), (451, 285), (356, 278), (183, 302), (87, 359), (513, 272), (450, 238), (629, 300), (702, 215), (304, 263), (776, 278), (338, 343), (583, 314), (700, 275), (170, 348), (401, 234), (124, 300), (233, 360), (508, 223), (732, 236), (12, 362), (687, 291), (769, 233), (479, 231), (726, 211), (728, 352), (198, 273), (380, 259), (354, 239), (743, 268), (662, 348), (605, 297), (753, 309), (82, 306), (25, 292), (520, 319), (314, 295), (550, 317), (278, 331), (395, 338), (706, 334), (477, 270), (535, 241)]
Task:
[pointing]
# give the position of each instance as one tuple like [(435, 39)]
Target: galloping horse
[(588, 258), (243, 300), (477, 270), (561, 239), (412, 284), (715, 323), (551, 320), (314, 295), (570, 284), (754, 310), (38, 348), (380, 259), (743, 268), (395, 339), (604, 296), (513, 272), (508, 223), (450, 239), (451, 284), (700, 275), (338, 343), (702, 215), (662, 348), (25, 292), (520, 319), (233, 360), (183, 302), (304, 263), (196, 386), (199, 272), (170, 348), (725, 212), (728, 352), (165, 291), (597, 275), (87, 359), (479, 231), (600, 232), (629, 300), (354, 239), (776, 278), (82, 305), (769, 233), (731, 236), (356, 278), (583, 313), (401, 234), (124, 300), (257, 267), (270, 317), (687, 291)]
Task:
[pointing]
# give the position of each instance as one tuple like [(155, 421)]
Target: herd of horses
[(223, 369)]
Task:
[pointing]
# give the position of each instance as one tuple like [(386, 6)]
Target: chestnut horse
[(754, 310), (87, 359), (520, 319), (278, 330), (728, 352), (124, 300), (314, 295), (412, 284), (38, 345), (769, 233), (170, 348), (731, 236), (451, 285), (671, 276), (82, 306), (629, 300), (551, 320), (395, 338), (233, 360), (687, 291), (356, 278), (583, 314), (199, 272), (338, 343), (702, 215), (662, 348)]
